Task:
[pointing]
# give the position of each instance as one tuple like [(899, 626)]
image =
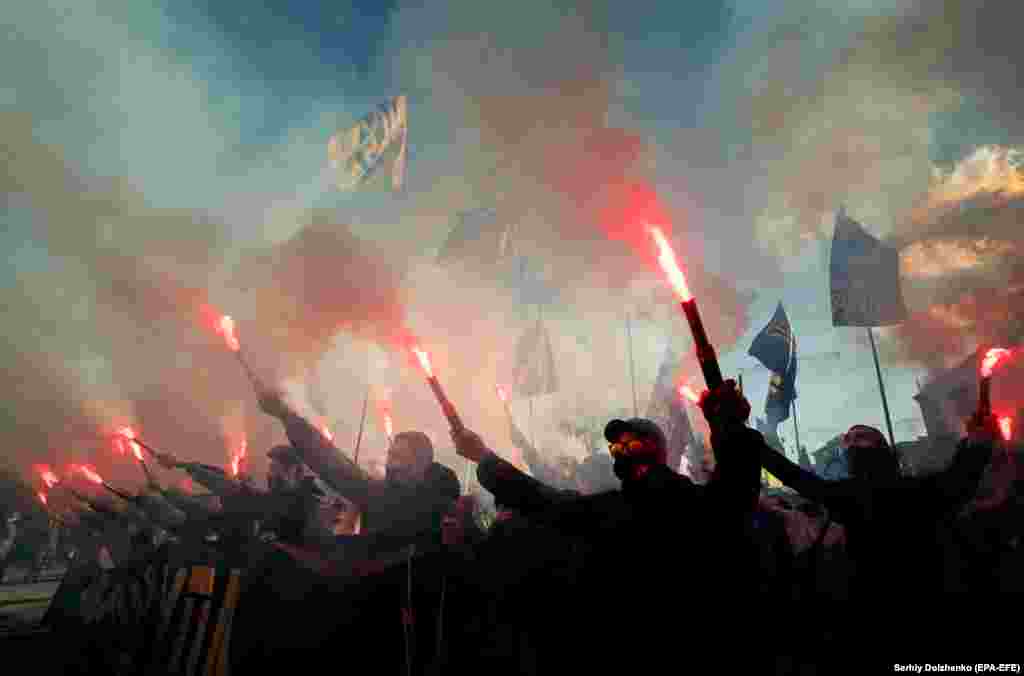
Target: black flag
[(865, 278)]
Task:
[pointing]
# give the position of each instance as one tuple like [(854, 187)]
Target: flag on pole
[(534, 372), (665, 408), (479, 236), (865, 278), (775, 347), (356, 153)]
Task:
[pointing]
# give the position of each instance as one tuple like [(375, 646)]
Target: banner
[(864, 278)]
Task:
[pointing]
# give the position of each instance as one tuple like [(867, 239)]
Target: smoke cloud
[(154, 180)]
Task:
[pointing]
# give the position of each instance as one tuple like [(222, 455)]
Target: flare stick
[(705, 350)]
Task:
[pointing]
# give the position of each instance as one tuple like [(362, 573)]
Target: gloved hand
[(725, 406)]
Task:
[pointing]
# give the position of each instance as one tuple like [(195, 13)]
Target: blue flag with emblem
[(775, 347)]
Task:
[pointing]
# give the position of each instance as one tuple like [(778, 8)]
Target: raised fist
[(725, 405)]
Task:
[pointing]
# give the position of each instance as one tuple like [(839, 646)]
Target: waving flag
[(775, 347), (865, 278), (479, 236), (535, 363), (666, 409), (357, 152)]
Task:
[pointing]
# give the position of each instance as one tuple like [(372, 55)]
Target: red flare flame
[(501, 393), (327, 433), (669, 265), (424, 360), (388, 426), (187, 486), (237, 458), (1006, 427), (90, 474), (993, 358), (42, 497), (226, 328), (48, 477), (129, 434), (687, 392)]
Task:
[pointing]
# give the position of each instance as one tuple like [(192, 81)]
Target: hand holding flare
[(705, 350), (993, 358)]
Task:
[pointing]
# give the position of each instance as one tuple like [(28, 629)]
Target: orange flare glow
[(90, 474), (1006, 427), (129, 434), (327, 433), (992, 359), (226, 328), (42, 497), (687, 391), (501, 393), (237, 458), (389, 428), (424, 360), (48, 477), (667, 260)]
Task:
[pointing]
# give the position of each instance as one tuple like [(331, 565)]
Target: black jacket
[(890, 526), (642, 543)]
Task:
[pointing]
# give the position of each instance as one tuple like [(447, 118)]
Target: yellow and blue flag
[(355, 154)]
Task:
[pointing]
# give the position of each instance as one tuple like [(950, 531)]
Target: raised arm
[(541, 470), (742, 448), (563, 510), (320, 455)]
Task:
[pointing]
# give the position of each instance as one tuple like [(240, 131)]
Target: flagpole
[(796, 428), (632, 370), (362, 423), (881, 387)]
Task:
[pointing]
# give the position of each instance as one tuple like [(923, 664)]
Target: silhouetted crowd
[(615, 562)]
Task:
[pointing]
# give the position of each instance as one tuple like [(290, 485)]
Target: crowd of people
[(617, 559)]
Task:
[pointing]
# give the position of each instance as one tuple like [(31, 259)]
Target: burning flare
[(324, 430), (42, 497), (687, 392), (238, 457), (501, 393), (129, 434), (667, 260), (389, 427), (993, 358), (48, 477), (424, 360), (226, 328), (1006, 427), (90, 474)]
